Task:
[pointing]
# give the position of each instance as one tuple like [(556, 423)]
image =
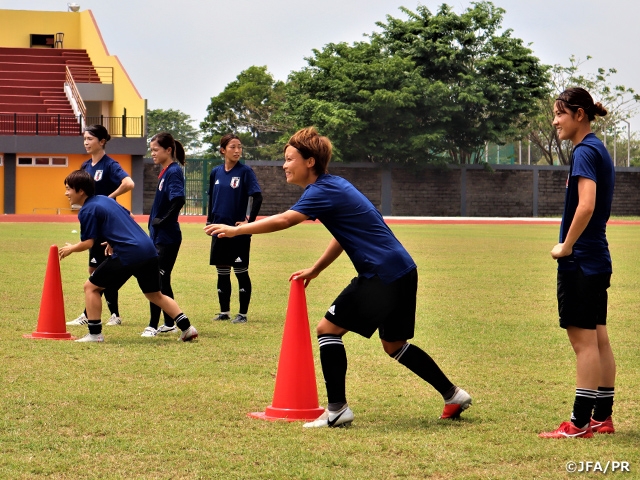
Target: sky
[(180, 53)]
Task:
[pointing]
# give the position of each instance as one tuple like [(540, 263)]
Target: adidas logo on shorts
[(238, 260), (93, 260), (332, 309)]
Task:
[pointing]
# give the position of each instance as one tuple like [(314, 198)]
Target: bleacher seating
[(32, 82)]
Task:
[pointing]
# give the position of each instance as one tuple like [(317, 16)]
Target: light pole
[(628, 143)]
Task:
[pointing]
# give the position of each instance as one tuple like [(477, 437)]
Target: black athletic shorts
[(96, 254), (368, 304), (112, 274), (233, 252), (582, 300)]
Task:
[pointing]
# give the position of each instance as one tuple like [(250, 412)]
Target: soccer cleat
[(240, 318), (605, 426), (222, 316), (340, 419), (189, 334), (453, 407), (149, 332), (114, 320), (568, 430), (92, 337), (81, 320), (165, 329)]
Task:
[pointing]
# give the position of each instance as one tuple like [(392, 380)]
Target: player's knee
[(91, 288), (391, 348)]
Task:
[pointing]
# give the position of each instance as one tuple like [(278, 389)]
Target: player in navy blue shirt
[(112, 181), (130, 252), (584, 265), (234, 198), (383, 295), (164, 228)]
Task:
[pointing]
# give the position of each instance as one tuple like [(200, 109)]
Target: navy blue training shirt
[(170, 186), (107, 174), (590, 159), (357, 226), (102, 218), (229, 193)]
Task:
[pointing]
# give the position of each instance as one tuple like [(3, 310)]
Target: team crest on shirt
[(235, 182), (98, 175), (160, 185)]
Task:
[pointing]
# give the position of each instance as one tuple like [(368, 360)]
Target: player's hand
[(219, 230), (65, 251), (108, 249), (307, 275), (560, 250), (242, 223)]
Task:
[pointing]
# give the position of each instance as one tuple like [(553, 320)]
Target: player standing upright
[(234, 199), (111, 181), (584, 265), (164, 228), (383, 295)]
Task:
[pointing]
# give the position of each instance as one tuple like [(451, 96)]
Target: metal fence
[(196, 174), (55, 124)]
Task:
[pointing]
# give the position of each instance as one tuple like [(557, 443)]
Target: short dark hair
[(166, 141), (81, 180), (575, 98), (311, 144)]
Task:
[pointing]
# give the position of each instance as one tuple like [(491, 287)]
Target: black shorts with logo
[(96, 254), (368, 304), (233, 252), (113, 274), (582, 300)]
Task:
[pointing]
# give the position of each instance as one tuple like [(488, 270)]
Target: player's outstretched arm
[(69, 248), (271, 224), (332, 252)]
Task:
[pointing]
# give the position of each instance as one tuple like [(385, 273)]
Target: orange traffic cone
[(295, 396), (51, 320)]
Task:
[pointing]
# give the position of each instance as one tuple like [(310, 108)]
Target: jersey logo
[(93, 260), (332, 309), (160, 185), (238, 260), (98, 175), (235, 182)]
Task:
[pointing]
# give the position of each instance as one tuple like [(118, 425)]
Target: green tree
[(176, 123), (246, 107), (621, 104), (490, 79)]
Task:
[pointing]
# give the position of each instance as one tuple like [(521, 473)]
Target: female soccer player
[(131, 253), (234, 198), (164, 228), (112, 181), (584, 265), (383, 295)]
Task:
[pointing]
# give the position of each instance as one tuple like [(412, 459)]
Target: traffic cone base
[(287, 414), (51, 319), (295, 395)]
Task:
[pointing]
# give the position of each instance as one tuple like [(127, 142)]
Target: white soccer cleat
[(114, 320), (92, 337), (149, 332), (340, 419), (81, 320), (165, 329), (189, 334)]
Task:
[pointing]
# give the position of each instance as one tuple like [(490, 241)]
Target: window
[(42, 161)]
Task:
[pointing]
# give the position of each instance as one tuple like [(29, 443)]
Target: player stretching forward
[(382, 297), (130, 253), (584, 265)]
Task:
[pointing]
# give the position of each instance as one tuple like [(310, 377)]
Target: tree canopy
[(176, 123)]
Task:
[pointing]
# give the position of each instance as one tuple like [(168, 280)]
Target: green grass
[(156, 408)]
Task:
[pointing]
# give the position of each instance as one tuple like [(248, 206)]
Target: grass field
[(157, 408)]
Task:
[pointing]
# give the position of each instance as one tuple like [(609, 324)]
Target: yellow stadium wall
[(81, 31), (42, 188)]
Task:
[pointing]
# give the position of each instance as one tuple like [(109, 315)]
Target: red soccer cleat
[(606, 426), (460, 401), (568, 430)]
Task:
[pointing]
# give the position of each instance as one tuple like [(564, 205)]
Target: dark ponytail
[(166, 141), (575, 98)]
